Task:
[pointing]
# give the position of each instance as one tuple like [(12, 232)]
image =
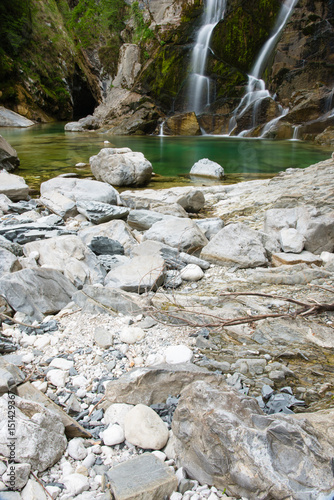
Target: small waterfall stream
[(256, 90), (199, 84)]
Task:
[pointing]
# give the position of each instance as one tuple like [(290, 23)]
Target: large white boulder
[(81, 189), (207, 168), (13, 186), (121, 167), (9, 118)]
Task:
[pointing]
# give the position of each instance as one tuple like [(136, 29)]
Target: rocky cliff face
[(138, 67)]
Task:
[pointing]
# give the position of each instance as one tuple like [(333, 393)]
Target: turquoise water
[(46, 151)]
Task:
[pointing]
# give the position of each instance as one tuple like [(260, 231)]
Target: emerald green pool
[(47, 150)]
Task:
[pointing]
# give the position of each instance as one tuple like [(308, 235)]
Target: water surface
[(47, 150)]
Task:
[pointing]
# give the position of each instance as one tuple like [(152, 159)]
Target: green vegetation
[(142, 31)]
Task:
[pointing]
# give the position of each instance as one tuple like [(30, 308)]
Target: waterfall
[(199, 90), (256, 90), (161, 129)]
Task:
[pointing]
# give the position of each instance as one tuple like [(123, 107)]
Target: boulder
[(121, 167), (144, 219), (182, 234), (59, 204), (247, 452), (207, 168), (115, 229), (87, 123), (138, 275), (39, 433), (99, 213), (69, 255), (236, 245), (153, 384), (319, 234), (291, 240), (13, 186), (182, 124), (97, 300), (166, 201), (8, 156), (81, 189), (9, 118), (36, 292)]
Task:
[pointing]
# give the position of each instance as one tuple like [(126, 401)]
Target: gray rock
[(8, 262), (69, 255), (153, 385), (101, 245), (182, 234), (207, 168), (236, 245), (8, 156), (9, 118), (10, 376), (297, 274), (172, 279), (281, 259), (115, 229), (96, 299), (144, 219), (246, 451), (210, 226), (109, 262), (16, 476), (138, 275), (40, 439), (191, 259), (128, 66), (121, 167), (87, 123), (103, 337), (98, 212), (164, 200), (61, 205), (319, 234), (13, 186), (276, 219), (81, 189), (33, 491), (142, 478), (36, 292)]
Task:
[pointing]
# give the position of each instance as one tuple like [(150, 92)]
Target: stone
[(115, 413), (131, 334), (139, 275), (95, 299), (319, 234), (115, 229), (177, 201), (178, 354), (75, 484), (142, 478), (102, 245), (113, 434), (39, 433), (13, 495), (182, 124), (76, 449), (182, 234), (69, 255), (121, 167), (245, 451), (9, 118), (291, 240), (144, 428), (191, 259), (62, 363), (210, 226), (16, 476), (192, 272), (33, 491), (153, 385), (144, 219), (8, 156), (8, 262), (236, 245), (81, 190), (99, 213), (281, 258), (207, 168), (87, 123), (13, 186), (103, 337), (59, 204), (36, 292), (57, 377)]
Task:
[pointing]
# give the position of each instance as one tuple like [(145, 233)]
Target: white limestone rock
[(132, 334), (112, 435), (13, 186), (57, 377), (115, 413), (176, 354), (62, 363), (144, 428), (207, 168), (16, 476), (75, 484), (192, 272), (76, 449), (33, 491), (291, 240)]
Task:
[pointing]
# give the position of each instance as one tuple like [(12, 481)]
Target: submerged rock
[(207, 168)]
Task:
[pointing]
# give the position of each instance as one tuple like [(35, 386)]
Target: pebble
[(62, 363), (191, 272), (131, 334), (178, 354), (113, 434), (57, 377), (76, 449)]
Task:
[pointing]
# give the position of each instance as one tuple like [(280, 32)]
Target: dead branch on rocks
[(184, 315)]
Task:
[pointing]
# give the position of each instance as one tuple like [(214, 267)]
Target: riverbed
[(47, 150)]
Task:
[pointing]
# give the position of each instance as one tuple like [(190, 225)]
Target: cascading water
[(256, 90), (199, 84)]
